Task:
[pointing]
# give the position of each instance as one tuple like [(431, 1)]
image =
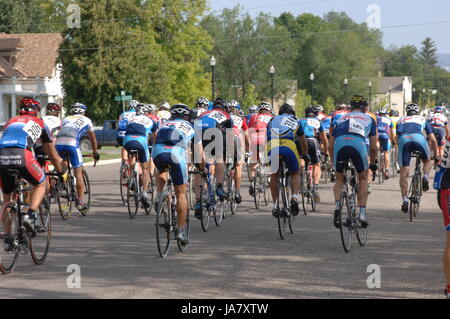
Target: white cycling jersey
[(53, 125), (73, 128)]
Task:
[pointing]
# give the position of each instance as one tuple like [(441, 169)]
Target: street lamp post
[(272, 73), (312, 77), (370, 94), (212, 63), (345, 90)]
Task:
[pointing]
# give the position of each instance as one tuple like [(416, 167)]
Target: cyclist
[(385, 136), (164, 111), (395, 116), (73, 128), (16, 152), (410, 139), (170, 151), (241, 140), (124, 118), (257, 126), (201, 106), (284, 132), (320, 114), (152, 110), (253, 110), (348, 142), (211, 126), (52, 124), (313, 128), (439, 123), (442, 184), (341, 109), (139, 132)]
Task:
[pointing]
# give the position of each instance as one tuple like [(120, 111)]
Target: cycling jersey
[(438, 120), (72, 129), (337, 115), (164, 115), (124, 118), (385, 125), (195, 113), (136, 136), (53, 125), (239, 124), (350, 132), (442, 177), (394, 120), (321, 116), (326, 123), (248, 116), (257, 127), (24, 132), (282, 131), (411, 139), (170, 148), (312, 126)]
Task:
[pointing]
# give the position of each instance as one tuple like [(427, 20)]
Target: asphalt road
[(244, 258)]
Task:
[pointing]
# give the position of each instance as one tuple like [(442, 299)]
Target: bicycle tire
[(163, 224), (40, 244), (219, 212), (150, 197), (281, 218), (132, 196), (206, 208), (345, 231), (182, 247), (303, 191), (232, 194), (87, 194), (63, 199), (191, 191), (257, 195), (124, 170), (8, 260)]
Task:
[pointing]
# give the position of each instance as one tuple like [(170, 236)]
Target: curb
[(105, 162)]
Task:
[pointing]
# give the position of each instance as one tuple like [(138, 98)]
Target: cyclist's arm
[(303, 144), (331, 148), (50, 150), (324, 139), (433, 143), (373, 148), (93, 140), (447, 131)]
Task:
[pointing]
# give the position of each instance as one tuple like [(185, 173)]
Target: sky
[(392, 13)]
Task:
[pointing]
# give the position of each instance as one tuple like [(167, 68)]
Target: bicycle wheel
[(63, 198), (304, 193), (282, 219), (124, 175), (232, 194), (181, 246), (257, 188), (133, 196), (345, 227), (219, 212), (191, 191), (9, 226), (40, 244), (150, 198), (265, 188), (163, 224), (380, 170), (414, 201), (86, 194), (206, 208)]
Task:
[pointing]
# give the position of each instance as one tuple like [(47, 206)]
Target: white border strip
[(104, 162)]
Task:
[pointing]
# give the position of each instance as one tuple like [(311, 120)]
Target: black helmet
[(202, 102), (311, 111), (178, 110), (358, 102), (220, 103), (394, 113), (286, 109), (412, 109)]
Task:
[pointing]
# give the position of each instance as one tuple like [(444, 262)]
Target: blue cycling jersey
[(284, 126), (140, 125), (385, 124), (311, 126), (124, 118), (413, 124), (175, 132), (355, 123)]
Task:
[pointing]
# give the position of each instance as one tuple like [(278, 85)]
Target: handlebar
[(91, 156)]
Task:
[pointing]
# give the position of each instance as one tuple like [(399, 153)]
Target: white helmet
[(164, 106)]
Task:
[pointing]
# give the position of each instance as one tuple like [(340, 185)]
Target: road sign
[(123, 98)]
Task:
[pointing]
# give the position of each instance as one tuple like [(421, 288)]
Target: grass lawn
[(103, 156)]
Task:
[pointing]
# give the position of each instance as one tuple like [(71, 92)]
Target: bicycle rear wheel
[(181, 246), (63, 198), (9, 228), (257, 188), (345, 228), (150, 197), (206, 208), (219, 212), (124, 175), (304, 193), (232, 194), (133, 196), (86, 194), (40, 244), (414, 199), (191, 191), (163, 224)]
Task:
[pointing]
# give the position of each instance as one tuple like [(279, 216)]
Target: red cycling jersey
[(257, 126)]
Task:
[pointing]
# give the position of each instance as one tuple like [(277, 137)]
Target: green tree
[(428, 53), (21, 16), (302, 101), (250, 98)]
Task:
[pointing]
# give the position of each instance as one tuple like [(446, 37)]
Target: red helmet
[(29, 106), (53, 107)]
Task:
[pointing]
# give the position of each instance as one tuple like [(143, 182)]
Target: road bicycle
[(13, 233), (230, 186), (260, 185), (328, 173), (306, 189), (282, 203), (394, 165), (135, 192), (167, 220), (66, 193), (382, 170), (415, 188), (208, 198), (348, 221)]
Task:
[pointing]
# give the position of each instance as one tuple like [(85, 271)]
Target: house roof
[(395, 82), (36, 54)]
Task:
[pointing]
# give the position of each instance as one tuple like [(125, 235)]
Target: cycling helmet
[(286, 109), (412, 109), (264, 106), (29, 106), (220, 103), (241, 113), (164, 106), (152, 108), (141, 109), (341, 107), (78, 108), (394, 113), (319, 108), (53, 107), (202, 102), (439, 109), (358, 102), (234, 104), (132, 105), (383, 111), (253, 108), (310, 111), (178, 110)]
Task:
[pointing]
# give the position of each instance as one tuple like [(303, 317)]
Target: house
[(28, 67), (394, 92)]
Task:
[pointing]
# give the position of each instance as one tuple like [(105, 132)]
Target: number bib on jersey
[(313, 123), (355, 127), (237, 121), (33, 130), (289, 122), (218, 116), (183, 127), (264, 118)]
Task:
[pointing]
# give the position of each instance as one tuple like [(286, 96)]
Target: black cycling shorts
[(313, 150)]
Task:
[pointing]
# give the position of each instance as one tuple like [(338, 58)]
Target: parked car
[(106, 136)]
